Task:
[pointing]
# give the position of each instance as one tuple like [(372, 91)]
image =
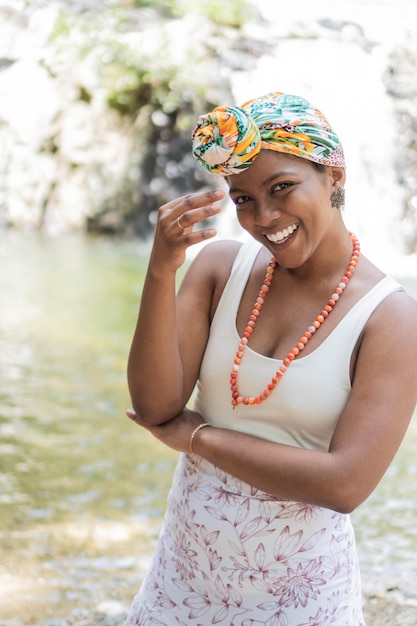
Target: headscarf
[(228, 140)]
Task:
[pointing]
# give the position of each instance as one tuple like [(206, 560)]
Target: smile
[(282, 235)]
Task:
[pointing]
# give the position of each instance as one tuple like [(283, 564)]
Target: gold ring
[(179, 223)]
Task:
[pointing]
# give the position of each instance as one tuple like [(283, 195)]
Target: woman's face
[(284, 202)]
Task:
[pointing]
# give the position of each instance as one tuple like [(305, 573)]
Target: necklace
[(237, 398)]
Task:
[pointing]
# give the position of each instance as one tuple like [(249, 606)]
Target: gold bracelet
[(193, 434)]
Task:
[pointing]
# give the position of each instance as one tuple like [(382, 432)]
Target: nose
[(266, 212)]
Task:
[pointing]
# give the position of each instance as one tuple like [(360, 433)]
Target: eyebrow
[(286, 172)]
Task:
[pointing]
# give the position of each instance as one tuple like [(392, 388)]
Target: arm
[(166, 349), (369, 432)]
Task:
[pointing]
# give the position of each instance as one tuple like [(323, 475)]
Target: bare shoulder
[(399, 310), (392, 331), (396, 313), (225, 249), (211, 269), (216, 258)]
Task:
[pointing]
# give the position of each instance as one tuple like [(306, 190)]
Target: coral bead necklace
[(237, 398)]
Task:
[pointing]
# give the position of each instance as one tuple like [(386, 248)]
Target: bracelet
[(195, 431)]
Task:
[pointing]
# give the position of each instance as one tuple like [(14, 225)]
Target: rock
[(111, 612)]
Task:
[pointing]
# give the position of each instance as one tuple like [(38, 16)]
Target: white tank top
[(304, 408)]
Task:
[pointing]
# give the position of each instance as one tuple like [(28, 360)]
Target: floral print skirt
[(231, 554)]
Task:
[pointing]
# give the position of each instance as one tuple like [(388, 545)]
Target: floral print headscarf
[(228, 140)]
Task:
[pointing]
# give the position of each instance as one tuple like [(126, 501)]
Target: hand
[(176, 433), (174, 230)]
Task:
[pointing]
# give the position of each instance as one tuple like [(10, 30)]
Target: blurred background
[(97, 102)]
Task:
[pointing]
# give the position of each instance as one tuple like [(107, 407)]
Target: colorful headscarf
[(228, 140)]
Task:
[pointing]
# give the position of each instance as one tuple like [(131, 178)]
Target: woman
[(305, 359)]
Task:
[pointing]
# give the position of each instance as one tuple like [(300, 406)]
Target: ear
[(338, 176)]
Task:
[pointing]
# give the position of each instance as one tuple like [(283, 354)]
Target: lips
[(282, 235)]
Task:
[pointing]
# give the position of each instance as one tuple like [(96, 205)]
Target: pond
[(82, 489)]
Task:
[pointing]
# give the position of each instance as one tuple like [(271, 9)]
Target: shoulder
[(225, 249), (393, 327), (397, 307), (216, 259), (211, 268), (399, 304)]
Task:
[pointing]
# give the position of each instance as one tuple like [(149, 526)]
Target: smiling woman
[(294, 421)]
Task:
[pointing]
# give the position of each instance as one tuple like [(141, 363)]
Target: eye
[(281, 186), (239, 201)]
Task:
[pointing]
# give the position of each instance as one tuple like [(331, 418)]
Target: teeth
[(282, 234)]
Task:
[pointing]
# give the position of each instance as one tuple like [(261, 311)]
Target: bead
[(237, 398)]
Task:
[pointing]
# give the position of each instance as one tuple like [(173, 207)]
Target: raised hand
[(175, 227)]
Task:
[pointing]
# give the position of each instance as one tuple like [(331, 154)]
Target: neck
[(327, 262)]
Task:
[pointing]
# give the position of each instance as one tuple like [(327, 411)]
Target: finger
[(191, 237), (195, 200), (189, 218)]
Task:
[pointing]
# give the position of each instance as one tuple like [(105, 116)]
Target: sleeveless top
[(304, 408)]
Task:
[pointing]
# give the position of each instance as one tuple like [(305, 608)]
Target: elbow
[(354, 499), (346, 496), (154, 416), (344, 506)]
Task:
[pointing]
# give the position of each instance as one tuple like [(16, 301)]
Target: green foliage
[(232, 13), (134, 64), (158, 64)]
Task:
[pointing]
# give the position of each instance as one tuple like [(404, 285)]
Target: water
[(82, 489)]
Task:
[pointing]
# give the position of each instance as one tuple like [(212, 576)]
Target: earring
[(337, 197)]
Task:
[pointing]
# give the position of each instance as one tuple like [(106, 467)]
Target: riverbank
[(389, 610), (83, 492)]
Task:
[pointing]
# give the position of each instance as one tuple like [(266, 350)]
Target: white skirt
[(231, 554)]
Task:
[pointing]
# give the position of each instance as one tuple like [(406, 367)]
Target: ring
[(179, 223)]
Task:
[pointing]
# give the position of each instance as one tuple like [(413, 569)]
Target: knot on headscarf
[(227, 140)]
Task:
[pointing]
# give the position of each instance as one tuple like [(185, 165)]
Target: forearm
[(155, 374), (159, 383), (284, 471)]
